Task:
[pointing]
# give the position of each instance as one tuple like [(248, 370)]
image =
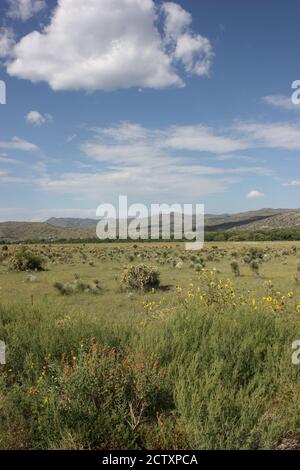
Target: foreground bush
[(26, 261), (97, 398), (140, 277)]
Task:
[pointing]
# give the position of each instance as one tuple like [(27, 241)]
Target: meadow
[(148, 346)]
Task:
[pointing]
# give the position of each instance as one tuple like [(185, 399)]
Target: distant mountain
[(249, 220), (26, 231), (75, 228), (69, 222), (286, 219)]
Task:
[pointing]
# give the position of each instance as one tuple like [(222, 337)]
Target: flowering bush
[(103, 395)]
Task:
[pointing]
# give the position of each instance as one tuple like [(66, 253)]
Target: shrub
[(100, 396), (254, 267), (77, 286), (141, 277), (235, 268), (26, 261), (63, 289)]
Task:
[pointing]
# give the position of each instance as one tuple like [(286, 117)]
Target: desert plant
[(141, 276), (198, 268), (26, 261), (77, 286), (254, 266), (235, 268)]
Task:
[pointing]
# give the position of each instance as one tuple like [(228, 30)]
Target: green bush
[(97, 398), (231, 372), (26, 261), (235, 268), (254, 266), (140, 277)]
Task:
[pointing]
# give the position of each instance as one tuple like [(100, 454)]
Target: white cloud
[(203, 139), (126, 132), (140, 184), (192, 50), (18, 144), (70, 138), (6, 178), (131, 142), (292, 183), (5, 159), (25, 9), (141, 163), (254, 194), (280, 135), (243, 158), (177, 21), (111, 44), (281, 102), (7, 42), (195, 52), (37, 119)]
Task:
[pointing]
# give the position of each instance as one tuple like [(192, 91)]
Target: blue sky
[(184, 101)]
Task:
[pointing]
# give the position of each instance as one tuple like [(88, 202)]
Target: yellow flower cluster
[(214, 291)]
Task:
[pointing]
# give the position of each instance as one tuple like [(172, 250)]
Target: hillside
[(74, 228), (250, 220), (69, 222), (289, 219), (25, 231)]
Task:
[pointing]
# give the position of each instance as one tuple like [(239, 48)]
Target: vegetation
[(235, 268), (26, 261), (204, 364), (140, 277)]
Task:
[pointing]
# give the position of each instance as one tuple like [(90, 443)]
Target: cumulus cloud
[(192, 50), (25, 9), (111, 44), (37, 119), (254, 194)]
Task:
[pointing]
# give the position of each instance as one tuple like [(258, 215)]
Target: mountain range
[(76, 228)]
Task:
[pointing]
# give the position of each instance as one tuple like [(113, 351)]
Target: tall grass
[(200, 377)]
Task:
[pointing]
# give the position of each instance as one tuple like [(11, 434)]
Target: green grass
[(193, 367)]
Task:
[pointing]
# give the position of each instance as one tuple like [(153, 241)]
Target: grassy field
[(202, 361)]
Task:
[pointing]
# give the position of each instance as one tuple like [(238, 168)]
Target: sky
[(166, 102)]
